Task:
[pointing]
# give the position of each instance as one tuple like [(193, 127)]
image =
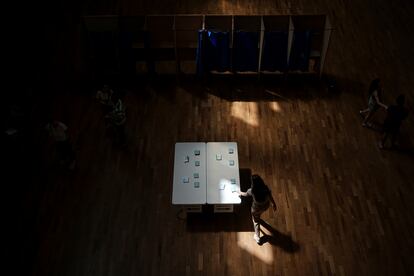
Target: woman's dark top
[(262, 204)]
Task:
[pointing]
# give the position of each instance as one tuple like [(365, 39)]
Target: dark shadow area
[(144, 87), (274, 87), (267, 88), (375, 126), (278, 239), (240, 87), (162, 86), (240, 220), (208, 221), (409, 152), (193, 86), (404, 144), (337, 85)]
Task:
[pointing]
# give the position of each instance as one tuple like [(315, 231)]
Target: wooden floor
[(344, 206)]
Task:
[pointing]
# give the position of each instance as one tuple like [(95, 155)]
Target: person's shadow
[(278, 239)]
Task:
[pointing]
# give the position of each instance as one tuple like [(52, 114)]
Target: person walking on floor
[(65, 154), (374, 102), (104, 97), (391, 127), (262, 197), (117, 119)]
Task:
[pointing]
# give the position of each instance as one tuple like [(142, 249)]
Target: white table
[(189, 184), (223, 178), (213, 180)]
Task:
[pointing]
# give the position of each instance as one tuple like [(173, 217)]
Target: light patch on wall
[(275, 106), (264, 253), (246, 111)]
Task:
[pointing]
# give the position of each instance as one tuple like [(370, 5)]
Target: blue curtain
[(246, 51), (217, 51), (274, 56), (299, 58), (200, 53)]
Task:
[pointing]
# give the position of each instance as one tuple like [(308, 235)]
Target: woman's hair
[(375, 84), (259, 188)]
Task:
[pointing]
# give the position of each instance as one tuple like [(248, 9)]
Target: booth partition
[(133, 45), (187, 29), (216, 48), (209, 44), (102, 33), (275, 44), (246, 44)]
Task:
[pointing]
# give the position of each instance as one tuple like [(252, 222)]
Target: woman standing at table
[(262, 197)]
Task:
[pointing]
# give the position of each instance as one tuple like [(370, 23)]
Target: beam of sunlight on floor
[(275, 106), (228, 191), (246, 111), (263, 253)]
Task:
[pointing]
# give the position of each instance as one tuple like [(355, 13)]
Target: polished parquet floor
[(344, 206)]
